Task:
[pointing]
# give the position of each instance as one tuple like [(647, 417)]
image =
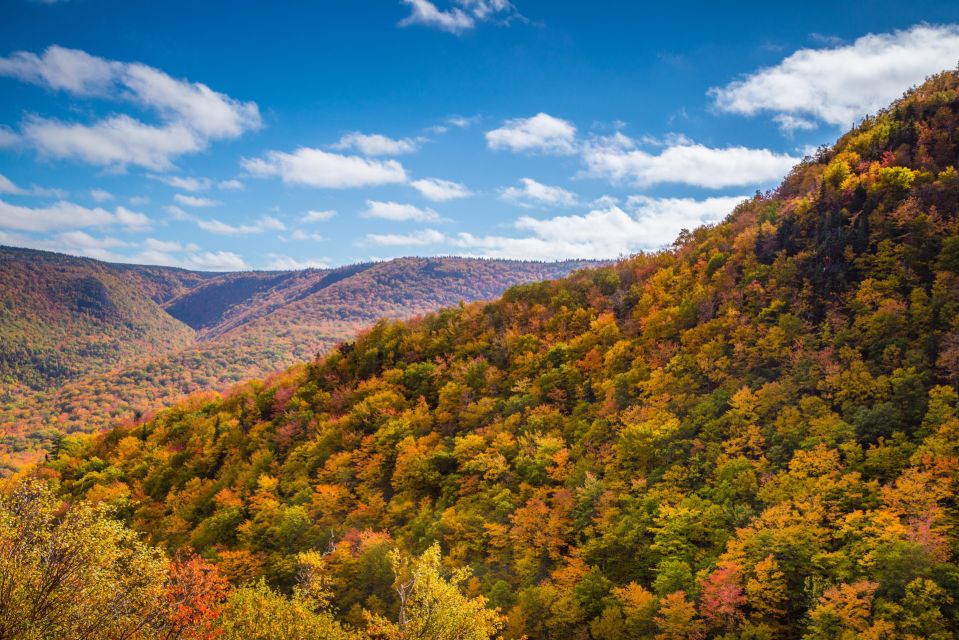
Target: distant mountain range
[(85, 343)]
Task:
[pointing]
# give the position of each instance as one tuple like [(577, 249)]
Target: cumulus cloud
[(194, 201), (841, 84), (416, 238), (133, 220), (439, 190), (230, 185), (606, 232), (281, 262), (684, 162), (101, 195), (398, 212), (461, 18), (66, 215), (541, 133), (377, 145), (318, 216), (318, 168), (115, 141), (532, 193), (191, 114), (265, 223)]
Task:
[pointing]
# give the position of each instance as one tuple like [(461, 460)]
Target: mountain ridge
[(199, 329)]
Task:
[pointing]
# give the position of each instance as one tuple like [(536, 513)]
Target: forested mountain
[(61, 316), (751, 435), (86, 343)]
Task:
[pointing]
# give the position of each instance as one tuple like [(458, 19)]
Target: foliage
[(85, 344), (73, 572), (763, 445)]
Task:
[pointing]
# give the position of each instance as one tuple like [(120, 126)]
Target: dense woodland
[(86, 344), (754, 434)]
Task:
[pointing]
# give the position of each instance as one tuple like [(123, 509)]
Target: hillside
[(62, 316), (128, 339), (752, 435)]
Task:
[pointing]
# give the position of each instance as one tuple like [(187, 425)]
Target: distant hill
[(85, 343), (62, 317)]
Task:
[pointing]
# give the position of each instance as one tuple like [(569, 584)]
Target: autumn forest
[(752, 434)]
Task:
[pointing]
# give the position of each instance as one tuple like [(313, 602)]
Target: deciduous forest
[(753, 434)]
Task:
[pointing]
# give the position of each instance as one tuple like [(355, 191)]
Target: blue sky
[(231, 135)]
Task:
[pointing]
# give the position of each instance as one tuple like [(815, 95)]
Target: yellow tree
[(432, 606), (74, 573)]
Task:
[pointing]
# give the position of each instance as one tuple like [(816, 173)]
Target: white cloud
[(66, 215), (376, 145), (842, 84), (81, 243), (168, 246), (607, 232), (789, 123), (101, 195), (191, 114), (540, 133), (9, 187), (318, 216), (132, 219), (265, 223), (186, 256), (230, 185), (426, 13), (76, 243), (177, 213), (416, 238), (398, 212), (317, 168), (685, 162), (460, 18), (61, 69), (663, 218), (460, 122), (8, 138), (301, 235), (535, 193), (151, 251), (114, 141), (216, 261), (186, 183), (139, 200), (439, 190), (281, 262), (269, 222), (194, 201)]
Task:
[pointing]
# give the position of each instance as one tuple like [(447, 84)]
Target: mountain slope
[(61, 316), (754, 435), (241, 325)]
